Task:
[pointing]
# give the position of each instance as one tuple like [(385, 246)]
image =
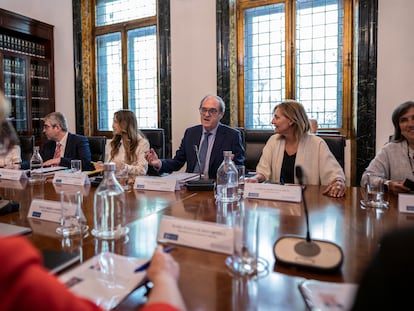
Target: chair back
[(156, 138), (26, 146), (97, 145), (336, 144), (255, 140)]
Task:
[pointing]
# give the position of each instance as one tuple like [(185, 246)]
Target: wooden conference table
[(205, 281)]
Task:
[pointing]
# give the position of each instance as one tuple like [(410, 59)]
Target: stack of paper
[(105, 279)]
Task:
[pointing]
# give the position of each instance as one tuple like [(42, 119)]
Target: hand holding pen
[(162, 265), (163, 272), (146, 265)]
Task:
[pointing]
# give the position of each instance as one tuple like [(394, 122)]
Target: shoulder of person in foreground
[(384, 283), (22, 275)]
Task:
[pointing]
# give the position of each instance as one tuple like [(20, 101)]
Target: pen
[(146, 265)]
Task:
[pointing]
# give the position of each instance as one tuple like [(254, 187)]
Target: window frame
[(122, 28), (290, 63)]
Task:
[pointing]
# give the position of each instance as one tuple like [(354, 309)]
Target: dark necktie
[(203, 151)]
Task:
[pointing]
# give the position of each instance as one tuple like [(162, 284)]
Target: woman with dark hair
[(128, 145), (292, 145), (396, 159)]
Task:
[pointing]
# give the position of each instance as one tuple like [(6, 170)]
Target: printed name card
[(406, 202), (63, 177), (45, 210), (169, 182), (155, 183), (11, 174), (290, 193), (198, 234)]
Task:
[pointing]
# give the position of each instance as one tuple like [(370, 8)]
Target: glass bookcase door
[(39, 87), (15, 89)]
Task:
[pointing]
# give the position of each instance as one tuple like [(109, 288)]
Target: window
[(295, 49), (126, 61)]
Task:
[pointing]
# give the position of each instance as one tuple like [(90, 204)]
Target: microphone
[(198, 159), (201, 184), (306, 253)]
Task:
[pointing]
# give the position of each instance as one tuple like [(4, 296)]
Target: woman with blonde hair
[(292, 145), (128, 145)]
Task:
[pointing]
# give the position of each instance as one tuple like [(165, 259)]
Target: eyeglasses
[(212, 111)]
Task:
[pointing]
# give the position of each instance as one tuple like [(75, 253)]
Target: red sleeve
[(158, 307), (26, 285)]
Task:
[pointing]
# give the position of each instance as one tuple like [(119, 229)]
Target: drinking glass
[(72, 221), (121, 175), (245, 255), (374, 191), (242, 172), (76, 166)]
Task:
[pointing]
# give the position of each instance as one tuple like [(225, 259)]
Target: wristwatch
[(387, 185)]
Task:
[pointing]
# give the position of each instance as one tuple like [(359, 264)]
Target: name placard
[(63, 177), (198, 234), (406, 202), (45, 210), (11, 174), (289, 193), (155, 183)]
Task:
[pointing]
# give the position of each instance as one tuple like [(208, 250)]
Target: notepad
[(9, 229), (106, 278)]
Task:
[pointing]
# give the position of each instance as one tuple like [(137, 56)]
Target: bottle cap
[(227, 153), (109, 166)]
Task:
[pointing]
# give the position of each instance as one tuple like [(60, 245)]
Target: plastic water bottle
[(36, 165), (227, 180), (109, 207)]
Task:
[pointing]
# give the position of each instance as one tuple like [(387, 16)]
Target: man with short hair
[(218, 137), (63, 146)]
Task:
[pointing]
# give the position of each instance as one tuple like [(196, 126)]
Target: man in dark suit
[(62, 146), (220, 137)]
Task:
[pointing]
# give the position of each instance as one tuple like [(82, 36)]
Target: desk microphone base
[(316, 255)]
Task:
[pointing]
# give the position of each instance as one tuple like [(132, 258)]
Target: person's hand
[(397, 186), (52, 162), (251, 180), (255, 179), (163, 266), (336, 189), (152, 158), (98, 165)]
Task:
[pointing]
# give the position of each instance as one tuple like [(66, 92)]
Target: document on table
[(106, 278)]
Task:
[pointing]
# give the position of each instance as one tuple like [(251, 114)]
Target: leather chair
[(97, 145), (156, 138), (336, 144), (255, 140), (26, 147)]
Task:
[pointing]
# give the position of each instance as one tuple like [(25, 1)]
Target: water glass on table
[(244, 260), (72, 221), (76, 166), (121, 175), (242, 172), (374, 191)]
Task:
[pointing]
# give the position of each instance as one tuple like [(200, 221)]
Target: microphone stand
[(316, 255), (203, 184)]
